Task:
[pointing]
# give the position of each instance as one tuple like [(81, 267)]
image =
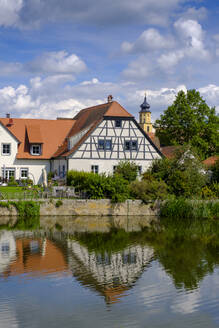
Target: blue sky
[(57, 57)]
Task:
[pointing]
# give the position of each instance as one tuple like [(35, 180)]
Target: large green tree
[(189, 120)]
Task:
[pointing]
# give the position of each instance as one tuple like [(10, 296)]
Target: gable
[(117, 138)]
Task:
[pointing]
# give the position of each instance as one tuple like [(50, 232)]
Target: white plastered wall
[(9, 161)]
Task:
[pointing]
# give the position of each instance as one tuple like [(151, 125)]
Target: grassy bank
[(180, 208)]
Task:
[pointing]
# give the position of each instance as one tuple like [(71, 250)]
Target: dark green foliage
[(58, 226), (110, 242), (180, 208), (215, 171), (128, 170), (59, 203), (189, 120), (12, 182), (147, 190), (99, 186), (184, 175), (5, 204), (28, 212)]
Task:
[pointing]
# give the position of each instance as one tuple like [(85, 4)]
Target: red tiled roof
[(34, 134), (211, 160), (49, 132), (89, 118), (169, 151)]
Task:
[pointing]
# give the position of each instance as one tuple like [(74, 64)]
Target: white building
[(96, 140)]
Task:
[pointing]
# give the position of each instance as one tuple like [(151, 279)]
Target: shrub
[(148, 190), (128, 170), (215, 172), (12, 182), (98, 186), (184, 175)]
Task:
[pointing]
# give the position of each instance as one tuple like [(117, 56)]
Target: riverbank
[(83, 207)]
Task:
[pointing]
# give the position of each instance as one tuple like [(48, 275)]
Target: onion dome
[(145, 107)]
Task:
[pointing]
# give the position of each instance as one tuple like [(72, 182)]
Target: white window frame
[(6, 144), (5, 172), (32, 148), (95, 169), (24, 169)]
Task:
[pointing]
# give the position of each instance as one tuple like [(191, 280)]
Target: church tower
[(145, 116)]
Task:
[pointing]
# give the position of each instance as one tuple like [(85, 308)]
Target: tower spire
[(145, 107)]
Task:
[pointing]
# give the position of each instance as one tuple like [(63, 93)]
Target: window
[(104, 144), (35, 150), (24, 173), (94, 168), (139, 170), (6, 149), (131, 145), (118, 123), (148, 129), (101, 144), (8, 173)]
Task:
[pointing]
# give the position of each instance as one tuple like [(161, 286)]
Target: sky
[(57, 57)]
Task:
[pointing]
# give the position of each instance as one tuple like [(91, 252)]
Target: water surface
[(109, 272)]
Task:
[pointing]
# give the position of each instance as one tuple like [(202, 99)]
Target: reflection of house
[(7, 249), (34, 256), (111, 274)]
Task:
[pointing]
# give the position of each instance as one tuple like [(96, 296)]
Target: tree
[(189, 120), (184, 174)]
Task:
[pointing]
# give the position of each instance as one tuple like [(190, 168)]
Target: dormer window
[(35, 150)]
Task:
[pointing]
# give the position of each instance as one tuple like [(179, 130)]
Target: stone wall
[(81, 207)]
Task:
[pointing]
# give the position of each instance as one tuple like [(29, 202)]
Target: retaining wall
[(81, 207)]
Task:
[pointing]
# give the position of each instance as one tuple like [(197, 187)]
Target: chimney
[(110, 98), (8, 115)]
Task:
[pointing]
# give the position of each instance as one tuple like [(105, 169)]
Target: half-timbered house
[(101, 137)]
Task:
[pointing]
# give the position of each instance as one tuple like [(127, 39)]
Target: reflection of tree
[(187, 250)]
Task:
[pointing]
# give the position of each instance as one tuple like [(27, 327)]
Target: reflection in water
[(110, 273), (166, 274), (33, 255)]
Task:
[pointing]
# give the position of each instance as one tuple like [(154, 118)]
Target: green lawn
[(16, 193)]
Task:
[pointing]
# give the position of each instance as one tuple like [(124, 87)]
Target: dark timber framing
[(89, 149)]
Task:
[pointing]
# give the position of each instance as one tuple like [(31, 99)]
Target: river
[(110, 272)]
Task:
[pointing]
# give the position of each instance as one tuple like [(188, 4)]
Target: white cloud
[(191, 33), (8, 69), (59, 62), (195, 13), (211, 94), (169, 60), (139, 69), (9, 12), (150, 39)]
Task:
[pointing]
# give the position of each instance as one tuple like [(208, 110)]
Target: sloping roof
[(51, 133), (169, 151), (154, 138), (211, 160), (34, 134), (91, 115), (89, 118)]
